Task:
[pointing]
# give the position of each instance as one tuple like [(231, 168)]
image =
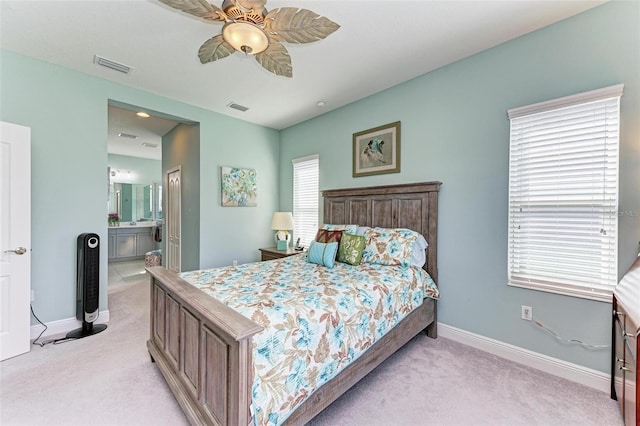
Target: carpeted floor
[(108, 379)]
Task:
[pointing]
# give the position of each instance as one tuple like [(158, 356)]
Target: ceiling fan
[(251, 29)]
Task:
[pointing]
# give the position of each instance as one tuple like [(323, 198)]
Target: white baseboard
[(64, 326), (567, 370)]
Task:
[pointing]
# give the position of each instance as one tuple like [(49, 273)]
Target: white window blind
[(563, 194), (306, 173)]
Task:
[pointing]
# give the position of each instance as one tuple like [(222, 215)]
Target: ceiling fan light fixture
[(251, 29), (245, 37)]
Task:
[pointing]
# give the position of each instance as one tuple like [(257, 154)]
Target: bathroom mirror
[(136, 202)]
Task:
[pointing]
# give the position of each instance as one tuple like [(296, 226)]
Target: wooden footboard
[(203, 349)]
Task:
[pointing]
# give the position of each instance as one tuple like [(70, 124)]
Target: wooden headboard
[(413, 206)]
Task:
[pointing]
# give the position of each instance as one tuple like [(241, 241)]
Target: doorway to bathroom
[(137, 191)]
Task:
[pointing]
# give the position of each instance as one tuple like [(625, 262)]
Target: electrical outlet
[(527, 313), (235, 263)]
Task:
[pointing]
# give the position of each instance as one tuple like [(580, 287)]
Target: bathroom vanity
[(128, 242)]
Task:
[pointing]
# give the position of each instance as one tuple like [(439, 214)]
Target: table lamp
[(282, 222)]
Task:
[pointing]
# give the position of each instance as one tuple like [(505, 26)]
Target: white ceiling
[(380, 44), (127, 133)]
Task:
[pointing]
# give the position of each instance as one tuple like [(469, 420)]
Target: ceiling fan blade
[(200, 8), (213, 49), (276, 59), (295, 25)]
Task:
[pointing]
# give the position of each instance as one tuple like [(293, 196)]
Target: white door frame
[(15, 239)]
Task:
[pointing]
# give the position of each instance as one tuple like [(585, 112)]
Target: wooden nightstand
[(271, 253)]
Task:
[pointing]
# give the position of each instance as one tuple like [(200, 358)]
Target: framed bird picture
[(377, 151)]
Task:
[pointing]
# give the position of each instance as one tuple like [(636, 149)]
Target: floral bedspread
[(316, 320)]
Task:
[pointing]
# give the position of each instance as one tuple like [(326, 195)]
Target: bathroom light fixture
[(149, 145), (142, 114)]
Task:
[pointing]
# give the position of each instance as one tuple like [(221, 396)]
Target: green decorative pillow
[(351, 248)]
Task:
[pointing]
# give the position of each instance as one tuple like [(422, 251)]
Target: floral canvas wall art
[(239, 187)]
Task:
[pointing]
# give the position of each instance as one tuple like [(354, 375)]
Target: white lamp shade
[(282, 221)]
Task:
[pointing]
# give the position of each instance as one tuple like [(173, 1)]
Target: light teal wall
[(144, 170), (236, 233), (67, 114), (181, 148), (455, 129)]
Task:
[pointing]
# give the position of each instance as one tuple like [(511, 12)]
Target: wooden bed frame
[(203, 348)]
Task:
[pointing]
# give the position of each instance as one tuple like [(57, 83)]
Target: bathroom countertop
[(144, 224)]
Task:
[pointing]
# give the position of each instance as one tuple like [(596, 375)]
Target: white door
[(173, 219), (15, 239)]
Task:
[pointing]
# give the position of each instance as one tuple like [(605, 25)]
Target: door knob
[(19, 250)]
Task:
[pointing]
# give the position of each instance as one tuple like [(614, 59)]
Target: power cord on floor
[(62, 340), (35, 342), (54, 341), (564, 339)]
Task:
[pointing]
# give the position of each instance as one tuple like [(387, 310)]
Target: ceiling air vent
[(238, 107), (127, 135), (125, 69)]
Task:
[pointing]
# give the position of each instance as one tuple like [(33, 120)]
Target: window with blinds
[(563, 194), (306, 172)]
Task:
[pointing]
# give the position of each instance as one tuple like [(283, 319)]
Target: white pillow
[(418, 254), (361, 230)]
